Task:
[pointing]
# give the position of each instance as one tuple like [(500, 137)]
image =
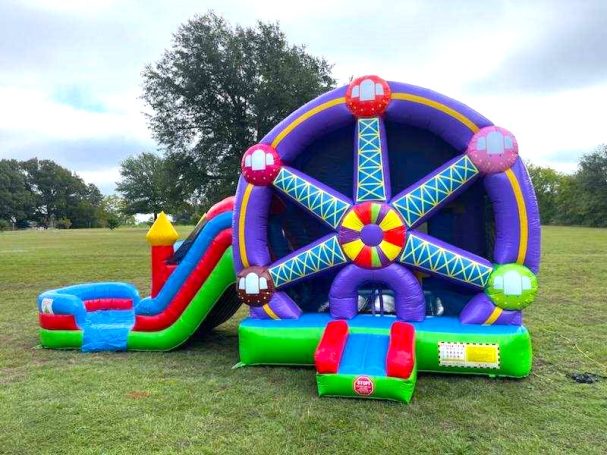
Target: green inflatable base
[(443, 344), (382, 387)]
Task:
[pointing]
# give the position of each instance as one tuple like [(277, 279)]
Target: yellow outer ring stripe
[(496, 313), (438, 106), (522, 216), (305, 116), (269, 311), (243, 214)]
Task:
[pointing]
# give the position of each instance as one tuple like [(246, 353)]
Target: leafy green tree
[(569, 210), (145, 185), (58, 193), (113, 212), (87, 211), (113, 222), (63, 223), (219, 90), (591, 187), (16, 199), (547, 183)]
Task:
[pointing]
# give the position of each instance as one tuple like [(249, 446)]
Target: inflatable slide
[(191, 290)]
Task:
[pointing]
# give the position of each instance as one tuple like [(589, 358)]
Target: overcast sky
[(70, 69)]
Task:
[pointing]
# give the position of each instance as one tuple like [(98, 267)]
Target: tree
[(86, 212), (63, 223), (145, 185), (591, 186), (113, 222), (218, 91), (113, 212), (58, 193), (567, 201), (547, 183), (16, 200)]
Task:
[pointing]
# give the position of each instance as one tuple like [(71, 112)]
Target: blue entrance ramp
[(107, 330), (365, 353)]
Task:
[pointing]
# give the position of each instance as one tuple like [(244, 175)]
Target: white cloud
[(99, 47), (34, 114), (105, 179)]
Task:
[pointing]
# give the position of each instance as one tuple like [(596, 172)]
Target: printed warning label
[(471, 355), (363, 385)]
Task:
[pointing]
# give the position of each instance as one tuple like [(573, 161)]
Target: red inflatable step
[(400, 359), (331, 347)]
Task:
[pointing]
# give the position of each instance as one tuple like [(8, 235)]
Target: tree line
[(41, 193), (573, 199)]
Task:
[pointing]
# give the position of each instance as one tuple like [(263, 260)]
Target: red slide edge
[(108, 304), (57, 321), (331, 347), (400, 359), (160, 321), (222, 206)]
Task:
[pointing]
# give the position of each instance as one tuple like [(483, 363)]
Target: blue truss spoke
[(326, 203), (372, 168), (419, 201), (431, 255), (309, 260)]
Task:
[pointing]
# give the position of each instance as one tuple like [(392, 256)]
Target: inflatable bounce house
[(416, 252)]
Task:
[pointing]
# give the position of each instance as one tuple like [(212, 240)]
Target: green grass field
[(193, 401)]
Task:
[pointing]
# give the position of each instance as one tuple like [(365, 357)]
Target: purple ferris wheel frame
[(517, 222)]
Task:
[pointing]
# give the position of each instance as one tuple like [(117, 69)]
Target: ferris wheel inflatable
[(377, 233)]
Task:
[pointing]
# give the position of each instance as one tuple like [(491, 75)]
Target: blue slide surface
[(365, 353)]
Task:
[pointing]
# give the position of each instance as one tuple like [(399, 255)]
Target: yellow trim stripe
[(522, 216), (439, 106), (269, 311), (243, 214), (305, 116), (496, 313)]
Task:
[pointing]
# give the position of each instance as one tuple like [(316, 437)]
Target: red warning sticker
[(363, 385)]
